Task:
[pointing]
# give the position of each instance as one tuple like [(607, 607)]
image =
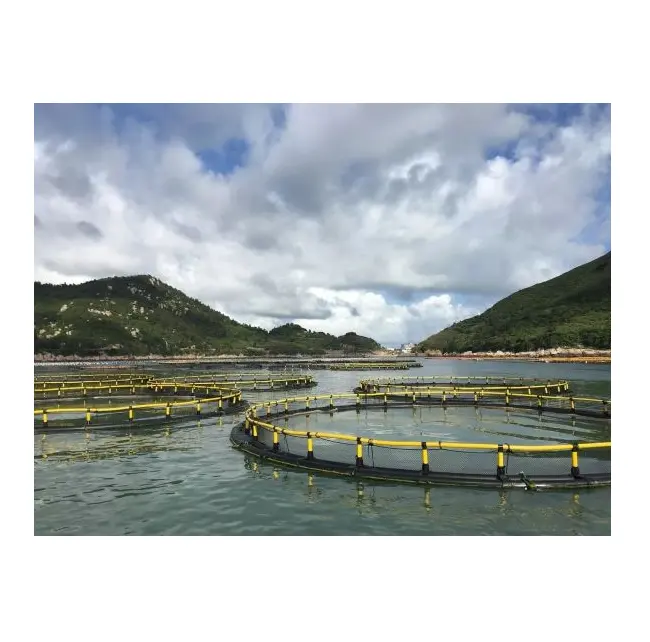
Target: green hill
[(141, 315), (571, 310)]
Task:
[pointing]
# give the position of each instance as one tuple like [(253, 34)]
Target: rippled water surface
[(187, 479)]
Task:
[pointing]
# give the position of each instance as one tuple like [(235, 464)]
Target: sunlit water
[(188, 480)]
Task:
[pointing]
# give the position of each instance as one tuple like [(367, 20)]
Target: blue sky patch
[(227, 159), (561, 114)]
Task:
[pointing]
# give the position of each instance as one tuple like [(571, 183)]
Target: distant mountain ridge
[(140, 315), (573, 309)]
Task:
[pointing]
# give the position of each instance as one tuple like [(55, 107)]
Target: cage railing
[(45, 385), (398, 365), (474, 383), (252, 383), (89, 376), (254, 425), (571, 404), (155, 385), (222, 397)]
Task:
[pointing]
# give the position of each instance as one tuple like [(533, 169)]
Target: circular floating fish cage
[(388, 365), (451, 383), (136, 401), (267, 433)]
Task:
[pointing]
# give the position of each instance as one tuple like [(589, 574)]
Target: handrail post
[(425, 459), (359, 459), (310, 446), (575, 470), (276, 441), (501, 469)]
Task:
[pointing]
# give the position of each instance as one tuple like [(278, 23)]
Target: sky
[(389, 220)]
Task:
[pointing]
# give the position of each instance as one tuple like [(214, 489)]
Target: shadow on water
[(505, 509)]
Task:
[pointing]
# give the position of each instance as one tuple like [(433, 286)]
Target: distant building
[(407, 348)]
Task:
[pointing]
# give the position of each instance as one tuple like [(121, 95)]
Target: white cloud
[(366, 218), (372, 315)]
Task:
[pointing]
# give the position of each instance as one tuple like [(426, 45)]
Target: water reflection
[(91, 445), (313, 491), (371, 499), (366, 499)]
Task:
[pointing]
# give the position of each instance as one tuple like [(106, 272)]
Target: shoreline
[(561, 359), (550, 355), (542, 356)]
